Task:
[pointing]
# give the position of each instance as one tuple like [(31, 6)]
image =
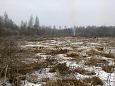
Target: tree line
[(32, 27)]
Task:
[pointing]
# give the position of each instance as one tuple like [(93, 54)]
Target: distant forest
[(33, 28)]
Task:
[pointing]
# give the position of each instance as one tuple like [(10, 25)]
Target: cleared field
[(64, 61)]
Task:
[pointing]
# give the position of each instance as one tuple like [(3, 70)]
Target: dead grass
[(96, 62), (15, 71), (108, 55), (32, 78), (101, 53), (51, 60), (62, 68), (90, 52), (66, 82), (58, 51), (12, 56), (72, 54), (94, 81), (100, 48), (84, 72), (108, 69)]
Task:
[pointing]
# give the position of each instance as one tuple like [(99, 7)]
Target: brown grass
[(62, 68), (94, 81), (67, 82), (51, 60), (96, 62), (100, 48), (12, 55), (58, 51), (84, 72), (108, 55), (108, 69), (72, 54)]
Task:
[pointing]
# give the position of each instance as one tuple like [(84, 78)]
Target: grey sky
[(61, 12)]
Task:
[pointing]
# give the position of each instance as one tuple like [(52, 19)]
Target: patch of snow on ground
[(31, 84), (62, 59), (44, 73)]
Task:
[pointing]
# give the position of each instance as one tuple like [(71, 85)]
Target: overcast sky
[(61, 12)]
